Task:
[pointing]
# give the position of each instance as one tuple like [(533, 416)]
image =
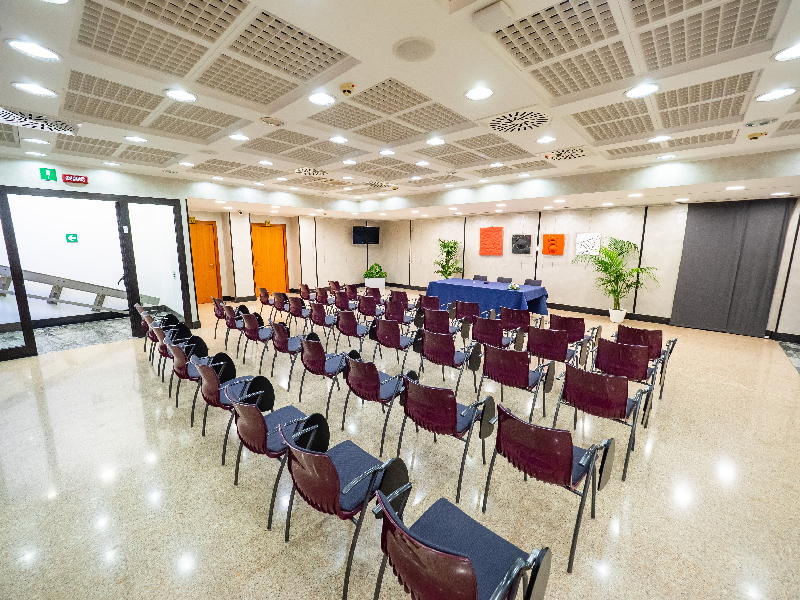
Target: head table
[(489, 295)]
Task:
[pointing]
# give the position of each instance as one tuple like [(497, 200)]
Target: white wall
[(517, 266), (337, 257), (393, 251), (425, 234), (308, 252)]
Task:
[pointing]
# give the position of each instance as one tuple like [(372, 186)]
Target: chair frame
[(466, 349), (543, 370)]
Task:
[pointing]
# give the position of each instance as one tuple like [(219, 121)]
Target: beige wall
[(425, 234), (517, 266), (393, 251), (337, 257)]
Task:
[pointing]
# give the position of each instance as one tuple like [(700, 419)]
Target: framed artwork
[(520, 244), (491, 243), (553, 244), (588, 243)]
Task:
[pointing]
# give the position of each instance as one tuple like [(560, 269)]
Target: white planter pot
[(617, 316), (376, 282)]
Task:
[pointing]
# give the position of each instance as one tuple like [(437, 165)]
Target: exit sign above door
[(72, 238)]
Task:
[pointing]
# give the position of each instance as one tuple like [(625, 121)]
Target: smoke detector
[(761, 122), (310, 172), (31, 120), (272, 121)]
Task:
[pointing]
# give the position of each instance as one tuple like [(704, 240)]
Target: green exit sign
[(72, 238), (48, 174)]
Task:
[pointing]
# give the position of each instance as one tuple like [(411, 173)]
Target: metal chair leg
[(353, 550), (205, 414), (380, 578), (239, 341), (631, 442), (402, 429), (238, 459), (274, 356), (289, 385), (215, 329), (194, 401), (289, 513), (385, 423), (480, 387), (169, 394), (405, 356), (463, 461), (344, 412), (262, 358), (302, 381), (244, 352), (225, 441), (460, 373), (275, 489), (177, 390), (578, 526), (328, 405), (488, 481), (227, 333)]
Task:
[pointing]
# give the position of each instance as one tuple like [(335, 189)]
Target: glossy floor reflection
[(106, 492)]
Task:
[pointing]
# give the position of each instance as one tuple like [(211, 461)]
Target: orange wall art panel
[(553, 244), (491, 241)]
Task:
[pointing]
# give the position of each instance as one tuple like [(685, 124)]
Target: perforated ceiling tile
[(482, 141), (585, 71), (236, 78), (148, 155), (703, 112), (387, 174), (387, 131), (108, 90), (85, 145), (714, 30), (461, 158), (345, 116), (215, 165), (436, 180), (364, 167), (611, 112), (505, 151), (7, 135), (557, 30), (534, 165), (709, 90), (202, 115), (335, 149), (254, 173), (788, 128), (206, 20), (284, 47), (183, 128), (265, 145), (648, 11), (441, 150), (433, 117), (622, 128), (291, 137), (110, 32), (309, 156), (705, 138), (390, 96), (104, 109), (628, 150)]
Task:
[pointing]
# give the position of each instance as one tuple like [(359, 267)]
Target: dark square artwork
[(520, 244)]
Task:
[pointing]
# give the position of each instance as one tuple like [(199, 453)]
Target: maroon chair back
[(508, 367), (179, 364), (366, 306), (347, 322), (362, 378), (219, 308), (468, 310), (395, 311), (621, 359), (550, 344), (296, 307), (252, 428), (334, 285), (429, 302), (312, 354), (375, 293), (230, 317), (437, 321), (322, 295), (352, 291), (209, 385), (318, 314), (597, 394), (439, 348), (574, 326), (148, 322), (279, 299), (488, 332), (305, 294), (314, 476), (513, 318), (541, 452), (263, 295), (428, 573), (251, 327), (433, 409), (652, 338), (388, 333), (280, 336), (342, 301), (399, 296)]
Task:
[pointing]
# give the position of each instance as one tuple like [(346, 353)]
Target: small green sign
[(48, 175), (72, 238)]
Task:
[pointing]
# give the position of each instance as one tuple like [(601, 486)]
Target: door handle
[(211, 265)]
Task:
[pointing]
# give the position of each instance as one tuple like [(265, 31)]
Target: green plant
[(448, 262), (616, 279), (375, 272)]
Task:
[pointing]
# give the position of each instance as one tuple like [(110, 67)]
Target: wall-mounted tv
[(366, 235)]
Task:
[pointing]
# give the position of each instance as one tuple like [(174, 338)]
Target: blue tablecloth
[(489, 295)]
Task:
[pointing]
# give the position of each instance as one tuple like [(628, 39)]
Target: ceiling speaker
[(414, 49)]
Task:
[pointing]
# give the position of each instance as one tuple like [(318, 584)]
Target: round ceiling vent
[(310, 172), (521, 120), (381, 185), (760, 122), (414, 49), (31, 120), (567, 154)]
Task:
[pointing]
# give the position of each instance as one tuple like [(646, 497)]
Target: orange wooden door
[(205, 260), (270, 269)]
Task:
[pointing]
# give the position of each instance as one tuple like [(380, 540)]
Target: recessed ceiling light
[(435, 141), (524, 175), (135, 138), (239, 137), (36, 153), (659, 138), (217, 178), (219, 201), (111, 164), (181, 95), (635, 195), (228, 207), (312, 214), (775, 95), (273, 211), (347, 189), (483, 180), (479, 93), (499, 210), (559, 200), (423, 215), (294, 188), (453, 208), (348, 162), (416, 178), (319, 209), (414, 211), (34, 50), (499, 205), (381, 194), (386, 152), (666, 157), (265, 162), (788, 54), (458, 213), (681, 199), (780, 193), (548, 139), (36, 141), (280, 179), (640, 91), (608, 204), (346, 177), (422, 163), (448, 185), (497, 164), (735, 187), (56, 1), (258, 183), (338, 139), (381, 214), (353, 213), (548, 207), (276, 207), (321, 99), (36, 90), (358, 197), (186, 164)]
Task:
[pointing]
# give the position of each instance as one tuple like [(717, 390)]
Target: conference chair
[(550, 344), (297, 310), (577, 335), (480, 278), (436, 410), (219, 312), (348, 325), (320, 318), (389, 336), (375, 293), (396, 311), (518, 321), (489, 332), (265, 300), (334, 287), (429, 302), (284, 344), (652, 338), (504, 280), (339, 481), (440, 349), (512, 368), (148, 322), (233, 321), (367, 383), (550, 456), (307, 294), (352, 291), (604, 396), (342, 302), (323, 297), (280, 303), (534, 282), (181, 367), (317, 362), (368, 308), (256, 332), (401, 297), (438, 321)]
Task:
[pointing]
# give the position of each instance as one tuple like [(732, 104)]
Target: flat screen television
[(366, 235)]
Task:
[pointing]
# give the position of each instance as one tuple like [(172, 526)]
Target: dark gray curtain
[(731, 254)]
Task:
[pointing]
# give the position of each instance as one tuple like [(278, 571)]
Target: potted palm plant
[(448, 263), (375, 277), (615, 278)]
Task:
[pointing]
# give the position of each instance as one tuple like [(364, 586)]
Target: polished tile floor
[(106, 492)]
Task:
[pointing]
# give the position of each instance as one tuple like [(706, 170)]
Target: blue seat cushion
[(265, 334), (405, 342), (389, 385), (362, 330), (507, 341), (334, 364), (446, 528), (453, 329), (459, 358), (570, 353), (293, 344), (350, 462), (463, 422), (533, 378), (330, 320), (192, 371), (279, 417), (233, 388), (630, 407), (578, 470)]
